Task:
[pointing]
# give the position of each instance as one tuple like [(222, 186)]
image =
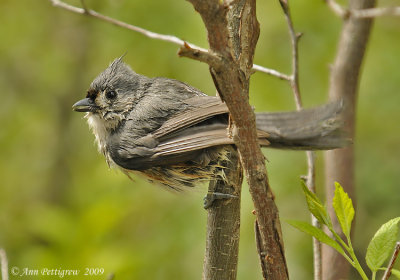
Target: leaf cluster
[(379, 248)]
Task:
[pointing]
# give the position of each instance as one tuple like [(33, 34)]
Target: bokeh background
[(60, 205)]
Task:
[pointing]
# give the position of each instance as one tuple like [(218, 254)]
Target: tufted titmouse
[(176, 135)]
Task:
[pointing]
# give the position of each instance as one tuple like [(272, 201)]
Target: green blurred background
[(60, 205)]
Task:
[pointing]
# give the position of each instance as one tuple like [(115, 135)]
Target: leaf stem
[(355, 263), (340, 240), (349, 249)]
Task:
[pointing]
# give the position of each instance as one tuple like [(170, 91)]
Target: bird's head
[(111, 96)]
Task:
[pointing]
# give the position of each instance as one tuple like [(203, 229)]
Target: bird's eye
[(111, 94)]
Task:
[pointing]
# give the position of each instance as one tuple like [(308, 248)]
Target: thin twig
[(317, 246), (337, 9), (388, 270), (294, 38), (271, 72), (4, 264), (362, 13), (294, 82), (187, 49), (376, 12), (147, 33)]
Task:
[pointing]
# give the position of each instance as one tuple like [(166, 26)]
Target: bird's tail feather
[(318, 128)]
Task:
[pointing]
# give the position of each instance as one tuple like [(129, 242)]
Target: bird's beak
[(84, 105)]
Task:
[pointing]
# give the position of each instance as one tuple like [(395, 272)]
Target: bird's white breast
[(97, 125)]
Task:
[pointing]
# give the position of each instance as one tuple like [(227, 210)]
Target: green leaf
[(319, 234), (396, 273), (344, 209), (316, 207), (382, 244)]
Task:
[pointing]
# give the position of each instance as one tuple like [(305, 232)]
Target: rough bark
[(233, 32), (223, 224), (344, 81)]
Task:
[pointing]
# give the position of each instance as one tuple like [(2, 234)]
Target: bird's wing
[(201, 108), (180, 147), (185, 145), (181, 138), (184, 136), (194, 138)]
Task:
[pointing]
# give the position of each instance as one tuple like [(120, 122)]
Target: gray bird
[(176, 135)]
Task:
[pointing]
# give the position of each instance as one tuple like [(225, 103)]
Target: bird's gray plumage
[(177, 135)]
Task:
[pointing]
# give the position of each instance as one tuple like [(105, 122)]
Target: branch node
[(338, 10), (205, 56), (85, 9), (346, 14), (299, 35)]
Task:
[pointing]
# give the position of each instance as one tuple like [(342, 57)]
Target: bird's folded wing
[(201, 108), (194, 138), (179, 147)]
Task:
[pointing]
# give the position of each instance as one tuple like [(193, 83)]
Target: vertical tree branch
[(223, 224), (3, 264), (344, 80), (317, 246), (233, 32), (310, 178)]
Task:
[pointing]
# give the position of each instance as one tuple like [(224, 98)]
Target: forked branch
[(186, 49), (233, 32), (362, 13)]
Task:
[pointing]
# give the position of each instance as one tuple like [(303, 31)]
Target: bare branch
[(187, 49), (337, 9), (271, 72), (388, 270), (198, 54), (362, 13), (83, 3), (294, 38), (376, 12), (4, 264), (294, 82), (317, 247), (147, 33)]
